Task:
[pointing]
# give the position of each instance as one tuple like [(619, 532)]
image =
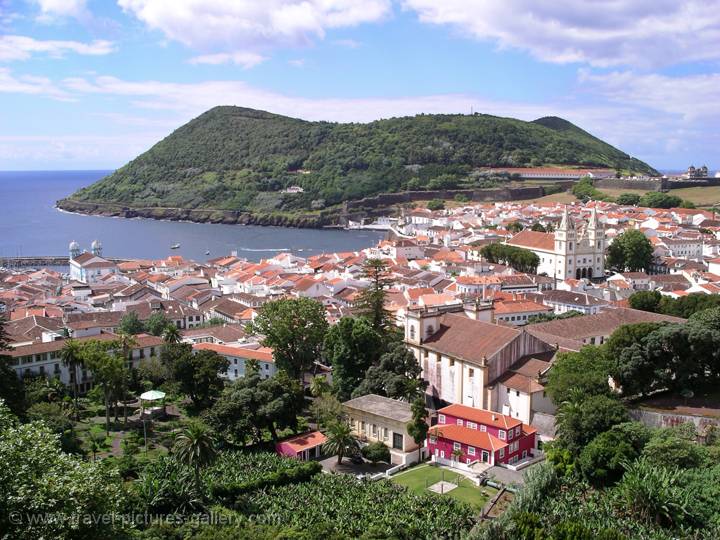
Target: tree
[(520, 259), (319, 386), (628, 362), (657, 199), (57, 419), (675, 447), (281, 400), (130, 324), (340, 440), (371, 301), (584, 372), (645, 301), (351, 346), (37, 480), (127, 343), (397, 376), (295, 329), (197, 373), (628, 199), (12, 390), (195, 447), (326, 409), (71, 359), (630, 251), (539, 227), (107, 369), (376, 452), (578, 422), (418, 427), (602, 460), (515, 227), (171, 334), (436, 204), (157, 323)]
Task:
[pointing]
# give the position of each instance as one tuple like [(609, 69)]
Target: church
[(569, 252)]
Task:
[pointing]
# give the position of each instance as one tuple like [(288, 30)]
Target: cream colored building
[(378, 418), (568, 252)]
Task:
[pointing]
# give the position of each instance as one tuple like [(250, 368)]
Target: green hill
[(233, 158)]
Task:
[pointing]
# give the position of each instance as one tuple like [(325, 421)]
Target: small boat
[(175, 246), (207, 252)]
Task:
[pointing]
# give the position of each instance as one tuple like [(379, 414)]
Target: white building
[(568, 252), (238, 356), (89, 267)]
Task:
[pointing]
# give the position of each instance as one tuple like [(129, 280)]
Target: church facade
[(569, 252)]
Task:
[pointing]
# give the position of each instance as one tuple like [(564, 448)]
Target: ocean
[(31, 225)]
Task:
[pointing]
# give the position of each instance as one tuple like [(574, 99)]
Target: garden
[(421, 478)]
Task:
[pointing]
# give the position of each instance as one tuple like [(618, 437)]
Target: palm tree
[(172, 334), (72, 359), (319, 386), (340, 440), (195, 446), (127, 343), (457, 454)]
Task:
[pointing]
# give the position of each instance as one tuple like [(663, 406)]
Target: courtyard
[(445, 483)]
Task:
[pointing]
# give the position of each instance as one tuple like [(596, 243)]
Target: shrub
[(375, 452), (436, 204)]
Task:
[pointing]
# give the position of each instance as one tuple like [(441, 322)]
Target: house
[(517, 312), (43, 359), (302, 447), (567, 252), (460, 356), (90, 268), (563, 301), (378, 418), (467, 435), (238, 356)]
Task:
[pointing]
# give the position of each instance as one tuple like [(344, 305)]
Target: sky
[(90, 84)]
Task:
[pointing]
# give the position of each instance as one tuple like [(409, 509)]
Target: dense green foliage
[(657, 199), (197, 373), (376, 451), (295, 328), (544, 317), (685, 306), (630, 251), (397, 375), (629, 199), (522, 260), (357, 508), (240, 159)]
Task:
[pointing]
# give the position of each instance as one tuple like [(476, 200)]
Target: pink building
[(303, 447), (479, 436)]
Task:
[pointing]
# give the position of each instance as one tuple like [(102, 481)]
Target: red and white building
[(465, 435)]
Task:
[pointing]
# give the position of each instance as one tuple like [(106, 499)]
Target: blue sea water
[(31, 225)]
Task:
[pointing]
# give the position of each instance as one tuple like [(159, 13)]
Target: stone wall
[(476, 195), (621, 183), (661, 419)]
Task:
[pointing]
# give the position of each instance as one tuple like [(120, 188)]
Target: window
[(441, 419), (433, 440), (471, 450), (502, 452), (398, 441), (508, 390), (430, 330), (510, 433), (374, 430), (471, 373), (483, 427), (459, 422), (472, 425), (452, 362), (501, 435), (236, 373), (456, 446), (517, 393), (412, 332), (517, 430)]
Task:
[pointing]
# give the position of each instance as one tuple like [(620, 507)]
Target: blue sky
[(91, 83)]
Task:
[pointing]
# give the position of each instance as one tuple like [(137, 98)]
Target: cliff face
[(227, 217)]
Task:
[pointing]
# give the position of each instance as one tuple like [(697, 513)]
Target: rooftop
[(381, 406)]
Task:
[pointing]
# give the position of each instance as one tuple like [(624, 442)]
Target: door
[(442, 454), (485, 456)]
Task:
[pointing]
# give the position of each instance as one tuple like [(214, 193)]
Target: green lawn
[(417, 478)]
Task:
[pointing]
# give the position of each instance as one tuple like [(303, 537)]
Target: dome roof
[(74, 245), (96, 244)]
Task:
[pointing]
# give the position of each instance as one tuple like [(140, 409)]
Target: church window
[(570, 245), (412, 332)]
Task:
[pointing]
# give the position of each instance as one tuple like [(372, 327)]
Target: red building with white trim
[(479, 436)]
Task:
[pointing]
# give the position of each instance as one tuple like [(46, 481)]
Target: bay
[(31, 225)]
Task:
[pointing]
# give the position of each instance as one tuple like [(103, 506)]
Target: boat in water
[(175, 246)]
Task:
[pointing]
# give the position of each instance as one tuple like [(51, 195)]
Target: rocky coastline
[(197, 215)]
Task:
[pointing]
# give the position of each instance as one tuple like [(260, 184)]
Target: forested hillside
[(241, 159)]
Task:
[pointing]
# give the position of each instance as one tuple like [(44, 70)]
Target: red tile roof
[(481, 416)]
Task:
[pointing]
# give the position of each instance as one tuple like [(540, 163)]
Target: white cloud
[(601, 33), (297, 62), (23, 47), (245, 59), (228, 26), (62, 8), (691, 98), (349, 43), (28, 84)]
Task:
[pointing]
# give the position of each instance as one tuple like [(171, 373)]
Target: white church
[(569, 252), (89, 267)]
